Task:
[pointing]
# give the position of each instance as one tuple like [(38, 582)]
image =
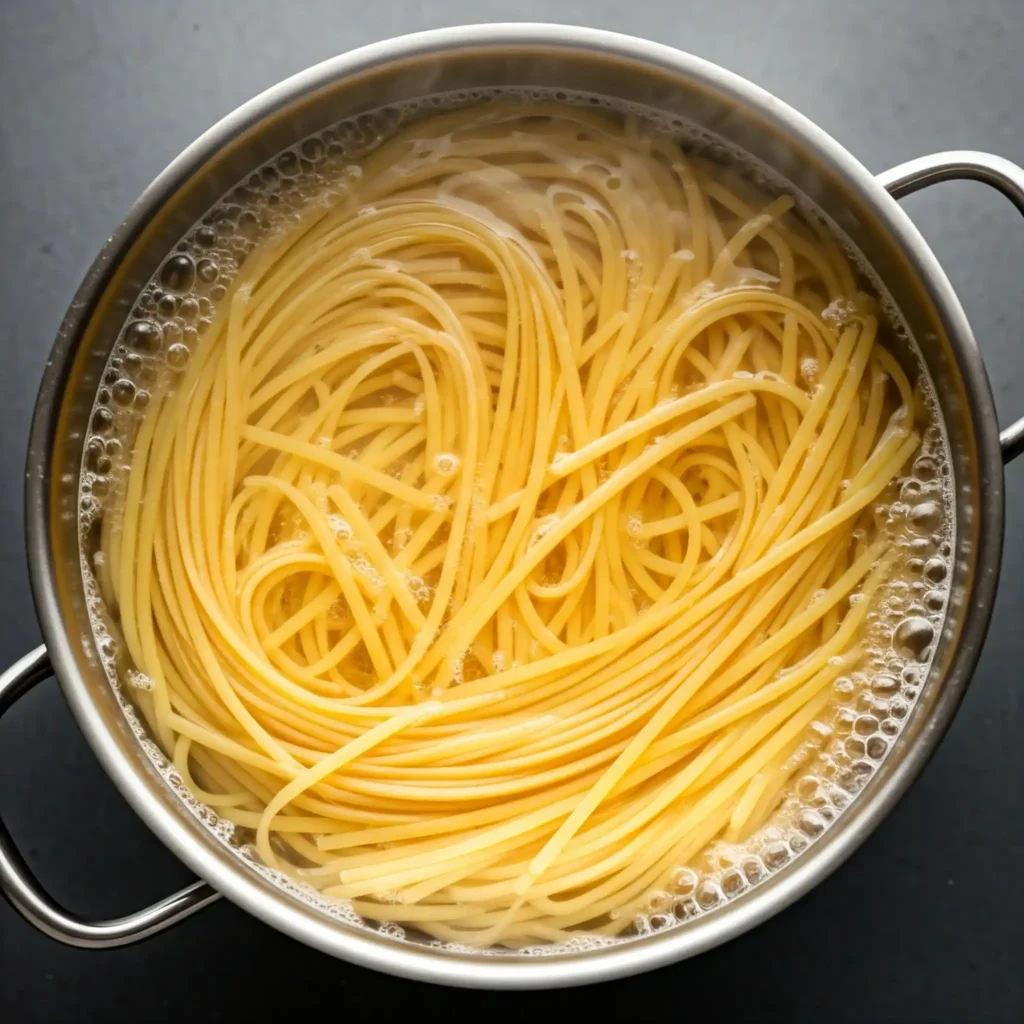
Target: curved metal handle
[(27, 897), (996, 171)]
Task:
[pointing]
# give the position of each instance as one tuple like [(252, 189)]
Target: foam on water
[(167, 323)]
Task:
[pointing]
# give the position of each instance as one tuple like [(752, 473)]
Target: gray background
[(926, 921)]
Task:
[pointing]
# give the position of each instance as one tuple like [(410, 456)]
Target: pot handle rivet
[(28, 898), (996, 171)]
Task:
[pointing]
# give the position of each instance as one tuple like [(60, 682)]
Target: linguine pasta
[(505, 535)]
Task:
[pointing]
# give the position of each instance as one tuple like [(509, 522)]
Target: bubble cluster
[(446, 464), (167, 323)]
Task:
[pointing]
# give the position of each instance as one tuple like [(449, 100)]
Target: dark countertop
[(926, 922)]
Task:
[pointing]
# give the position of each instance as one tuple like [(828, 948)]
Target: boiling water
[(871, 706)]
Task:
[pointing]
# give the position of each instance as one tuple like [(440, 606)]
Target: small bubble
[(866, 725), (242, 196), (144, 336), (178, 274), (684, 881), (207, 270), (845, 718), (754, 870), (885, 685), (925, 469), (733, 882), (876, 748), (912, 637), (312, 149), (808, 788), (123, 392), (249, 226), (659, 902), (102, 420), (288, 164), (910, 490), (811, 824), (926, 517), (177, 356), (685, 909), (708, 895), (844, 686), (855, 746)]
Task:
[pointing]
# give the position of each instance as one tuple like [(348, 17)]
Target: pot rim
[(241, 885)]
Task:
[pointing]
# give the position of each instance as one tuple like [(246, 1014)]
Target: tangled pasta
[(504, 535)]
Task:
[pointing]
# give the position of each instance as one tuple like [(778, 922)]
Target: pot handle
[(993, 170), (28, 898)]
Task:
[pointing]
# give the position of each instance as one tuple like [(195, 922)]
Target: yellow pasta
[(510, 525)]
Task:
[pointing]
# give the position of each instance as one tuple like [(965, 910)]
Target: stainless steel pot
[(863, 206)]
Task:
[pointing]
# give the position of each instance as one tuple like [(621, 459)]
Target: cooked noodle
[(507, 530)]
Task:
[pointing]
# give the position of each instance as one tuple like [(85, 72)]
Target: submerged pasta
[(504, 536)]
